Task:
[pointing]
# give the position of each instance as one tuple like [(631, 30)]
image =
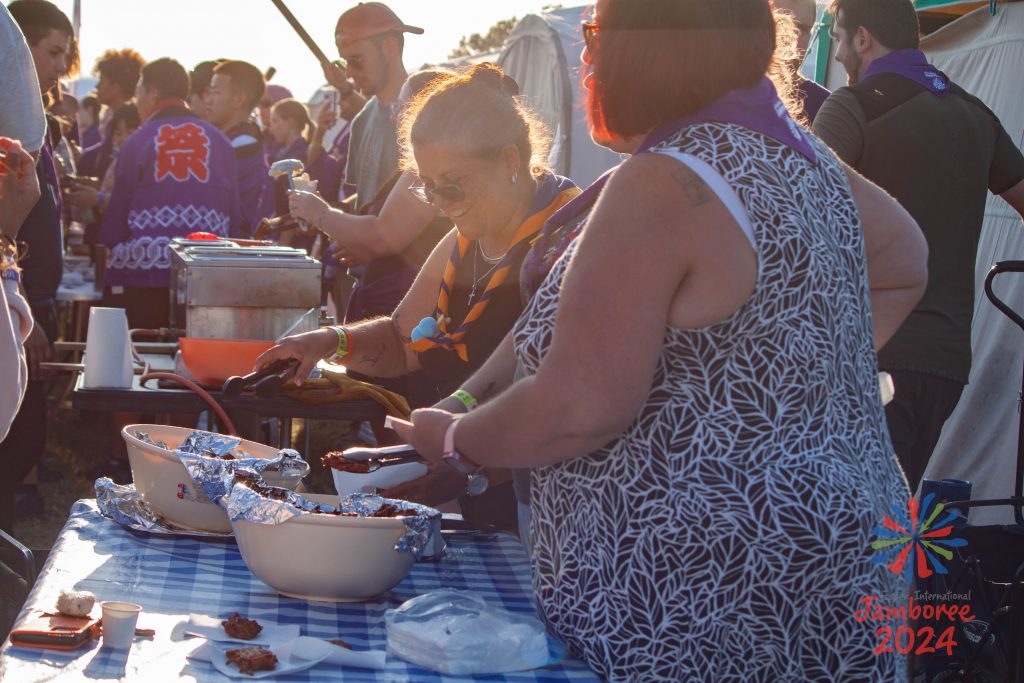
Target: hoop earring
[(515, 176)]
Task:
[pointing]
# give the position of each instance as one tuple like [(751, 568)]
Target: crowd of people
[(652, 379)]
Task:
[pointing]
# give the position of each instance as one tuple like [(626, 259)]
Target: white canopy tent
[(543, 55)]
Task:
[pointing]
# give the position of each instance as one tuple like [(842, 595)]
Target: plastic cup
[(108, 350), (119, 619)]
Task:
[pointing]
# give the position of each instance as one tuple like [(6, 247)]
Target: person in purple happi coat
[(175, 175)]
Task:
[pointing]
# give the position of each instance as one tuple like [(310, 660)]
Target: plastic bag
[(457, 632)]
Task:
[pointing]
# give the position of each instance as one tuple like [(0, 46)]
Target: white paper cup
[(119, 619), (108, 354)]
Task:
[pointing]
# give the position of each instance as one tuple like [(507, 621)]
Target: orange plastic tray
[(211, 361)]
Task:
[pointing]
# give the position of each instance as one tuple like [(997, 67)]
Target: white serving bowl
[(324, 557), (357, 482), (164, 483)]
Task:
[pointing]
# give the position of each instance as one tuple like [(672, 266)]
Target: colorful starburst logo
[(916, 538)]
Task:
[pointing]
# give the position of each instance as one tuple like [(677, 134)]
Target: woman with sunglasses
[(479, 157), (700, 404)]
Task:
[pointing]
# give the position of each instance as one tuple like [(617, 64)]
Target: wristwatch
[(476, 480)]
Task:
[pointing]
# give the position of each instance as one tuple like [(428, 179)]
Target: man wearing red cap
[(369, 39)]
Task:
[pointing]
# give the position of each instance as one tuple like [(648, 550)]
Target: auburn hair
[(478, 110), (656, 61)]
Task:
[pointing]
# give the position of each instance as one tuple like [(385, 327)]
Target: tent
[(543, 54)]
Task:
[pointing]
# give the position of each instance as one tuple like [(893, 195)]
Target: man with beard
[(938, 150), (369, 39)]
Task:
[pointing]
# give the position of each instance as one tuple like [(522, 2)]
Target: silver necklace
[(490, 259), (476, 280)]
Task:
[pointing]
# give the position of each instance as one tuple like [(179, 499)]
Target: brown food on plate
[(338, 461), (340, 643), (385, 510), (249, 660), (239, 627)]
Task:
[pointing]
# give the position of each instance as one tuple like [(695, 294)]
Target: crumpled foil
[(280, 505), (122, 504), (210, 444), (146, 438), (201, 453)]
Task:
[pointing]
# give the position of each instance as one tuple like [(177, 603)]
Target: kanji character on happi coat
[(174, 175)]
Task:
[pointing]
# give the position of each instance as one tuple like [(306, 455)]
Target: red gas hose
[(203, 394)]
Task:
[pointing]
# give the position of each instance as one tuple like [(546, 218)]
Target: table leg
[(286, 432)]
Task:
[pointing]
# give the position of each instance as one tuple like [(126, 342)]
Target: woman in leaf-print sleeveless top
[(703, 541)]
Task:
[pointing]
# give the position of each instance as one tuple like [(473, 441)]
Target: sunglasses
[(450, 193), (590, 31)]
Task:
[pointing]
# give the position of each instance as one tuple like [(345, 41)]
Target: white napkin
[(295, 655), (211, 629)]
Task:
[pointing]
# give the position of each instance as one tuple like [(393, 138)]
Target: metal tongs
[(376, 458), (272, 227), (264, 383)]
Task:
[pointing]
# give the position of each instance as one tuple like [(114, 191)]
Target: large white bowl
[(164, 483), (323, 557)]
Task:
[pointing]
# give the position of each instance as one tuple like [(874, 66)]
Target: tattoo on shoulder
[(697, 191), (398, 328)]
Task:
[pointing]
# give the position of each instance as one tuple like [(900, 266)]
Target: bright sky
[(192, 31)]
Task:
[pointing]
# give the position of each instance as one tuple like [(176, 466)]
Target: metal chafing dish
[(220, 290)]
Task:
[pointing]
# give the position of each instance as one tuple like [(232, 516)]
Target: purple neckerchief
[(757, 108), (910, 64)]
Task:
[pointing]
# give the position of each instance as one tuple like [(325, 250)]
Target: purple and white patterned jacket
[(175, 175)]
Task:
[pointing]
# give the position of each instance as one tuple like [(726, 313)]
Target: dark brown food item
[(389, 510), (255, 483), (338, 461), (238, 626), (340, 643), (249, 660)]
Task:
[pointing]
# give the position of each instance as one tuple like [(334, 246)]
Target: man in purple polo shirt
[(174, 175)]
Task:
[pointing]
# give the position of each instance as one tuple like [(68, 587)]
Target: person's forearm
[(359, 234), (316, 146), (377, 350), (530, 426)]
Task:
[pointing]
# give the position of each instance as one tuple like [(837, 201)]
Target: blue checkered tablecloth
[(174, 577)]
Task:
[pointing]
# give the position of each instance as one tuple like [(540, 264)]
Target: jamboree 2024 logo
[(917, 542)]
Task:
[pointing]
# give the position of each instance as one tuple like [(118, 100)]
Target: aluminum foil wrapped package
[(212, 445), (251, 500), (121, 503), (146, 438), (215, 475)]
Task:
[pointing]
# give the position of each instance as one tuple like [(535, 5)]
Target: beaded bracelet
[(465, 398)]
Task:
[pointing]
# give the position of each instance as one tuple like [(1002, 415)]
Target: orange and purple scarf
[(553, 192)]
